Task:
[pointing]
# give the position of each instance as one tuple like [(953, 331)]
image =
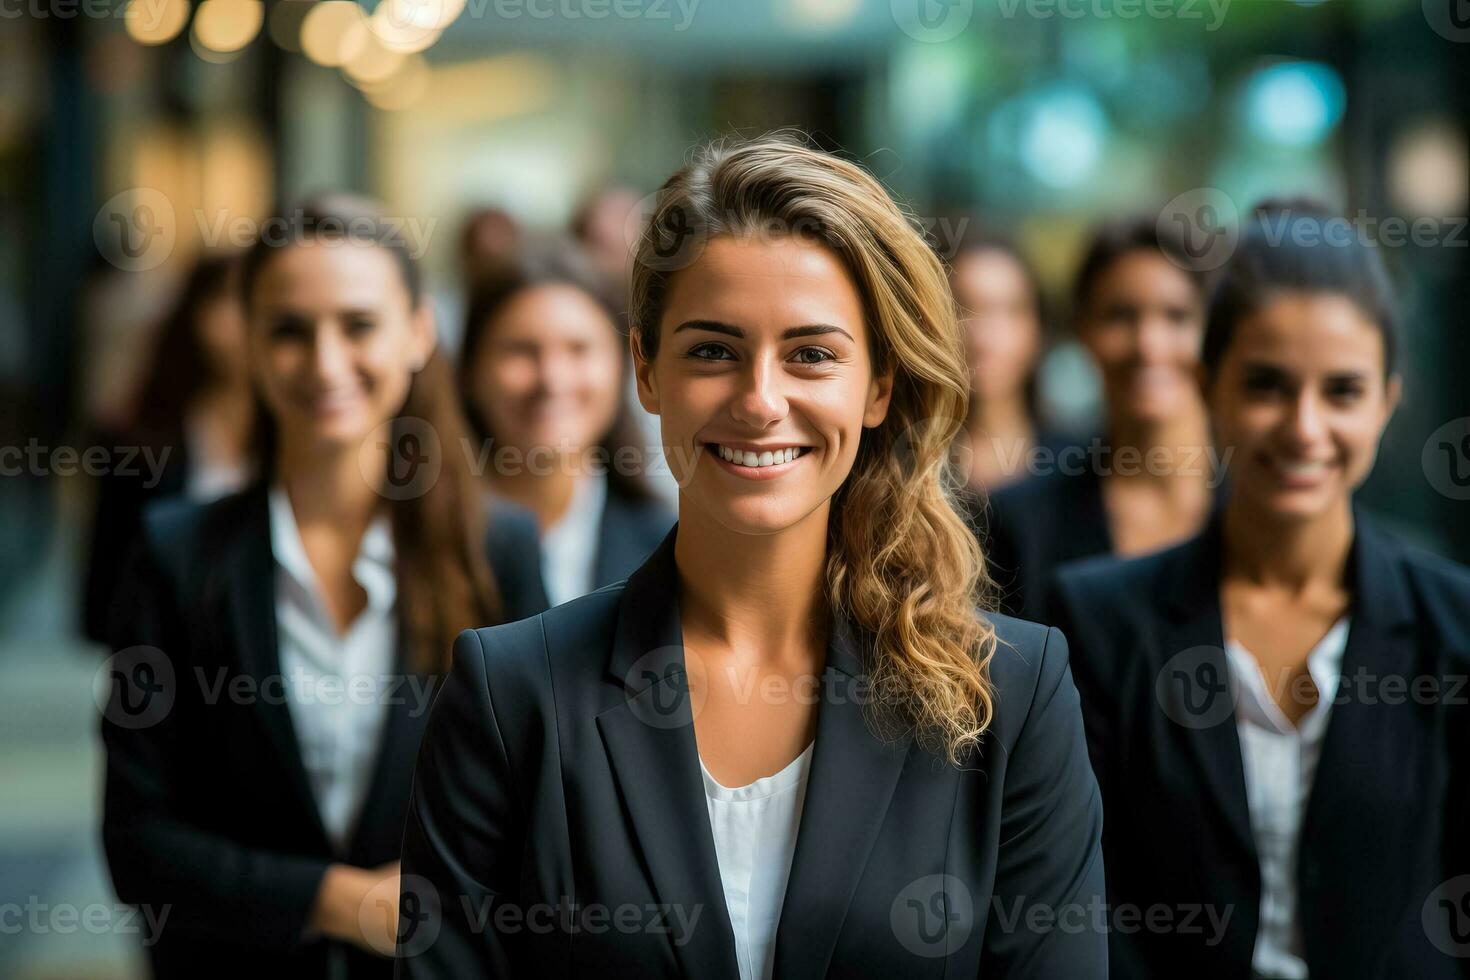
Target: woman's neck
[(1293, 555), (765, 590), (1000, 432), (328, 487), (1168, 450), (548, 495)]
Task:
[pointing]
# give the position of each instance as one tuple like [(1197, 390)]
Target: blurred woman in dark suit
[(278, 648), (1276, 708), (1139, 311), (541, 373), (193, 427), (792, 743), (1000, 307)]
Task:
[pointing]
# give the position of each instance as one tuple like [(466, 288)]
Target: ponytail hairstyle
[(901, 562), (445, 584)]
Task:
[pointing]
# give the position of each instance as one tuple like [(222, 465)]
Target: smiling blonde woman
[(792, 743)]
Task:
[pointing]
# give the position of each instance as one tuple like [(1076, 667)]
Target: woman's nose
[(760, 400)]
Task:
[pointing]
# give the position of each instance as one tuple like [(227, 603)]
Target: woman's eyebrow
[(730, 330)]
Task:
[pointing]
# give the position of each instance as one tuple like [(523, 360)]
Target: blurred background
[(137, 136)]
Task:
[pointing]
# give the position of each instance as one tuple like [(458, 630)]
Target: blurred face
[(550, 370), (1300, 401), (1143, 327), (1000, 321), (763, 381), (335, 339)]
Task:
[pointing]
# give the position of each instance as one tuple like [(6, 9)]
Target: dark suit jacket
[(559, 827), (207, 807), (123, 493), (631, 529), (1386, 810), (1036, 525)]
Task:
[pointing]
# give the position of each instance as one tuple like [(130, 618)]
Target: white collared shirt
[(754, 828), (334, 684), (1280, 760), (569, 547)]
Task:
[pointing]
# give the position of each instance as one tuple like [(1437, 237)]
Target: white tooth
[(766, 458), (749, 459), (725, 452)]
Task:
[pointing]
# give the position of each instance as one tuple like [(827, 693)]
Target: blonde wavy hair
[(901, 560)]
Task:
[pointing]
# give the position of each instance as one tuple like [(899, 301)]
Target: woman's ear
[(880, 393), (643, 373), (1393, 393), (423, 335)]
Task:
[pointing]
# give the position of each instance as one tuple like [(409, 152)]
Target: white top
[(209, 479), (1280, 760), (755, 837), (334, 684), (569, 547)]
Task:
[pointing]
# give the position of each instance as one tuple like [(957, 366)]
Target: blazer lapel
[(1194, 687), (649, 736), (249, 583), (1362, 747), (849, 763)]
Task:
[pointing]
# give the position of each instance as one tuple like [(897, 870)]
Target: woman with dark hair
[(278, 648), (1274, 707), (1000, 308), (542, 375), (793, 743), (193, 430), (1139, 312)]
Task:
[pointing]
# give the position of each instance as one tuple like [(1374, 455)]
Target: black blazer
[(207, 808), (631, 529), (1033, 526), (123, 493), (1386, 810), (558, 790)]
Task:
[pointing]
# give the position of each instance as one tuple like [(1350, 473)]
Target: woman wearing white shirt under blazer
[(279, 648), (793, 744), (1276, 708)]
